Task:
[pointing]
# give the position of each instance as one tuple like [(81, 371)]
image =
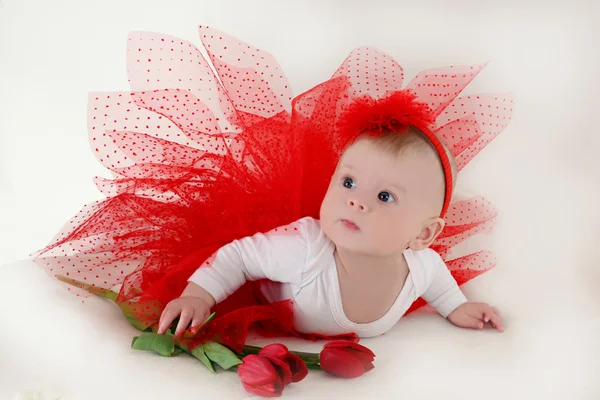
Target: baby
[(361, 266)]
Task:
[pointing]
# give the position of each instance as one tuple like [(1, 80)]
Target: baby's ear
[(432, 229)]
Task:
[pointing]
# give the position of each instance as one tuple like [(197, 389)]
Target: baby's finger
[(487, 313), (197, 321), (167, 317), (477, 312), (496, 327), (473, 323), (496, 322), (184, 321)]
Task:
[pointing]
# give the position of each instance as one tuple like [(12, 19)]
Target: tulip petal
[(365, 359), (276, 350), (283, 370), (297, 366), (264, 376), (346, 343), (256, 370), (339, 362), (267, 390)]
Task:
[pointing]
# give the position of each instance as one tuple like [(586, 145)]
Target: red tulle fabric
[(207, 150)]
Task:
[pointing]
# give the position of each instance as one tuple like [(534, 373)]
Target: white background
[(541, 173)]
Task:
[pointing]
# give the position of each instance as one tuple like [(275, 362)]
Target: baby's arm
[(442, 291), (277, 255), (444, 294)]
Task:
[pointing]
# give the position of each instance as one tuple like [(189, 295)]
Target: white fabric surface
[(52, 342)]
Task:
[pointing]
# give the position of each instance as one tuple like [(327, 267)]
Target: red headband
[(396, 112)]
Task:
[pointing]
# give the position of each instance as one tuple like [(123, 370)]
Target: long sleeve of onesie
[(442, 292), (278, 255)]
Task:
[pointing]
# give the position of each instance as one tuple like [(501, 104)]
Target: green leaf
[(137, 324), (127, 310), (220, 355), (177, 351), (198, 352), (161, 344)]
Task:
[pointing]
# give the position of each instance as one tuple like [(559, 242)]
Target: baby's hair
[(411, 139)]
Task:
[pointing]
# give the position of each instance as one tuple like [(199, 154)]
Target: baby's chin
[(341, 233), (353, 239)]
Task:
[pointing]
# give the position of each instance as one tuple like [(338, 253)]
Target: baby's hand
[(474, 315), (193, 306)]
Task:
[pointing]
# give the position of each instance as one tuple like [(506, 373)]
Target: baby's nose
[(357, 205)]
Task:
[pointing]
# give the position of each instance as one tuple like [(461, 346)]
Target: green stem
[(251, 350), (308, 358), (104, 293)]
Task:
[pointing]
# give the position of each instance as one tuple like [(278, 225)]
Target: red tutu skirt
[(206, 150)]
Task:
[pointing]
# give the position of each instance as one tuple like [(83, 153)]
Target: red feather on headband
[(393, 112)]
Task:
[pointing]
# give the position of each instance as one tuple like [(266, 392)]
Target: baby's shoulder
[(320, 249), (305, 233), (315, 236), (423, 264), (300, 225), (309, 224), (423, 258), (307, 227)]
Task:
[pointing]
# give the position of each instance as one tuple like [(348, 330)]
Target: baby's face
[(377, 203)]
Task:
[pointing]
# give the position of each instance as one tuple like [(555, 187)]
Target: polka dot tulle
[(203, 151)]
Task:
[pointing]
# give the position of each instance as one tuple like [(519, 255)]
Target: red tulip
[(346, 359), (263, 376), (271, 370), (297, 366)]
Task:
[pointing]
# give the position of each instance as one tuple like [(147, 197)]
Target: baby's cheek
[(324, 208), (331, 203), (394, 244), (326, 216), (394, 237)]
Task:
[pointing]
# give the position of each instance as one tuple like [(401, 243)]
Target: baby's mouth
[(350, 225)]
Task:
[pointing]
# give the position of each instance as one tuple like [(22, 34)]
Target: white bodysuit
[(299, 258)]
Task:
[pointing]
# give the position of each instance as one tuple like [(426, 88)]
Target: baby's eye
[(349, 183), (386, 197)]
